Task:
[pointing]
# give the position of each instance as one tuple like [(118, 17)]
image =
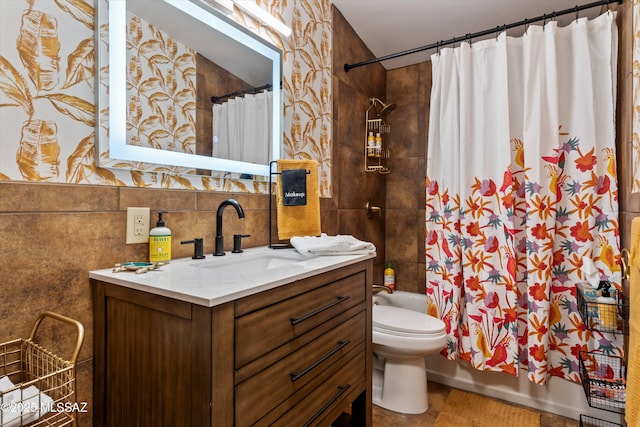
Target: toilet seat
[(405, 322)]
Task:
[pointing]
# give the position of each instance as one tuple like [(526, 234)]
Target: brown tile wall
[(353, 186), (53, 234), (409, 88)]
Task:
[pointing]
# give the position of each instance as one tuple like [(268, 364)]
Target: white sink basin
[(249, 264)]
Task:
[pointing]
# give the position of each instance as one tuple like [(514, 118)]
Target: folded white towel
[(5, 384), (331, 245), (21, 406)]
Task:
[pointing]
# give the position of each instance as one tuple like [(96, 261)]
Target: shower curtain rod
[(215, 99), (496, 30)]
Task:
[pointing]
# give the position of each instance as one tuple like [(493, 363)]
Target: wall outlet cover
[(138, 225)]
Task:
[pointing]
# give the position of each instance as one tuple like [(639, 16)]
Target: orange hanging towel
[(296, 219), (632, 409)]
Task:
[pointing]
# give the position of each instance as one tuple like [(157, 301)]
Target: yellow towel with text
[(299, 220), (632, 405)]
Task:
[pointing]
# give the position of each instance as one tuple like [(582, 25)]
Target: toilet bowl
[(403, 334)]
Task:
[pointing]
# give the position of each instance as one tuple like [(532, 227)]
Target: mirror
[(167, 62)]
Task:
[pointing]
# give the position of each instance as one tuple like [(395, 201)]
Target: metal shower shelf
[(376, 153)]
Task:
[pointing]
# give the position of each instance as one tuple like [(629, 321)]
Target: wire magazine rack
[(38, 387)]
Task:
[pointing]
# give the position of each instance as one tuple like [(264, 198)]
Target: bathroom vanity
[(266, 337)]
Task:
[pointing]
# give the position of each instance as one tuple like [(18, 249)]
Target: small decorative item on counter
[(390, 277), (138, 267), (160, 241)]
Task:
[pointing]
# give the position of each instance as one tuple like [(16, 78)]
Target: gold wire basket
[(37, 387)]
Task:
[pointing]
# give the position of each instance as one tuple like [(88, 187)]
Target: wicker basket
[(37, 387)]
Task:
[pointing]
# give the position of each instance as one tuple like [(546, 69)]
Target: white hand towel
[(331, 245), (23, 406), (5, 384)]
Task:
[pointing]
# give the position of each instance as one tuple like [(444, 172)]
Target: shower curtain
[(242, 128), (521, 187)]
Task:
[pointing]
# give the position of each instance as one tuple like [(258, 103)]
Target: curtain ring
[(497, 31), (437, 48), (577, 13), (526, 25), (554, 15), (544, 20), (468, 39)]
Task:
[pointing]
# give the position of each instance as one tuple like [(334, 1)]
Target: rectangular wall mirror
[(189, 91)]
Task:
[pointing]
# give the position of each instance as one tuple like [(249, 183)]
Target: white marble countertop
[(217, 280)]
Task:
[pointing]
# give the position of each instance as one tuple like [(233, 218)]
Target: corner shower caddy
[(375, 160)]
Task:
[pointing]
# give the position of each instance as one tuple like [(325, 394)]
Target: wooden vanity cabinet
[(294, 355)]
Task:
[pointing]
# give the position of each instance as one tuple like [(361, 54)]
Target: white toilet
[(403, 334)]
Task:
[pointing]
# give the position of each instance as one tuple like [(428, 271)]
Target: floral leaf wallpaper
[(48, 95), (161, 88)]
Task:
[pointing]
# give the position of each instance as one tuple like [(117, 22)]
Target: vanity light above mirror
[(221, 44)]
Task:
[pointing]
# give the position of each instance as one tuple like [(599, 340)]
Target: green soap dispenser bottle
[(160, 241)]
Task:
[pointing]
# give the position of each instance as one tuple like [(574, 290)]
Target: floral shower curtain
[(521, 187)]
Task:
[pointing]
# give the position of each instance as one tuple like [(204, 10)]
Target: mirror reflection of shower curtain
[(242, 128), (521, 187)]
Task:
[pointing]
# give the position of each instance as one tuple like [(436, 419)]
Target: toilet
[(403, 334)]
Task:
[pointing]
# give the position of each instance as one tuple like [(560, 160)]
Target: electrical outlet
[(138, 225)]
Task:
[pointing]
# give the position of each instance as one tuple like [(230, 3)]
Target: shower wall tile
[(406, 276), (403, 193), (409, 88), (401, 240), (354, 187), (352, 221), (353, 181), (349, 49), (402, 86), (350, 117), (404, 138)]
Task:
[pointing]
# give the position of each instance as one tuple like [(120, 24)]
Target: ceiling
[(391, 26)]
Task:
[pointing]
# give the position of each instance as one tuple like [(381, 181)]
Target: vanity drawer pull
[(296, 320), (341, 390), (296, 376)]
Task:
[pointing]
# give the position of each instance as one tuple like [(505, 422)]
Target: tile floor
[(437, 395)]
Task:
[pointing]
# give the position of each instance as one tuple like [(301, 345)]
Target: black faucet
[(219, 239)]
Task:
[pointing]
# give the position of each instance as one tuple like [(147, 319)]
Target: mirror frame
[(116, 143)]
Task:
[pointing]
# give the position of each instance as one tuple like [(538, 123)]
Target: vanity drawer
[(265, 329), (313, 363), (328, 398)]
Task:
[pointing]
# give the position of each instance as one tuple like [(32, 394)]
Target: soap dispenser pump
[(160, 241)]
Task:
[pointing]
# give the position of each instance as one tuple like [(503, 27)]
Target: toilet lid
[(405, 320)]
